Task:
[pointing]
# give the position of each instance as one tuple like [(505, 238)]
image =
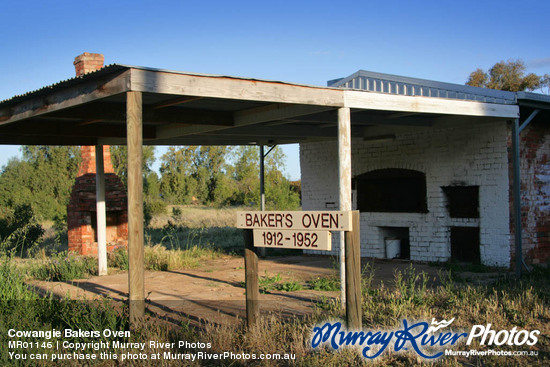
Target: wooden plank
[(175, 102), (100, 212), (329, 220), (251, 280), (390, 102), (136, 284), (353, 276), (116, 112), (233, 88), (61, 129), (87, 91), (293, 131), (344, 184), (293, 239), (46, 140), (276, 112), (244, 118)]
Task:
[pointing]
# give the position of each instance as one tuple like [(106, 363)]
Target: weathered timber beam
[(247, 117), (398, 103), (169, 115), (290, 131), (175, 102), (64, 130), (233, 88), (45, 140), (136, 273), (73, 95)]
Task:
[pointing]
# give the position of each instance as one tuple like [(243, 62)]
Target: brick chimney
[(87, 165), (81, 211), (87, 62)]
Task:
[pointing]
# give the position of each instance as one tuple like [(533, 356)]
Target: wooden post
[(100, 211), (353, 275), (344, 184), (136, 286), (262, 188), (251, 280)]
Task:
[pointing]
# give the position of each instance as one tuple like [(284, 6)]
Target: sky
[(307, 42)]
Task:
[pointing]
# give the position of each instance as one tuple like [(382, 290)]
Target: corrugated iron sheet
[(109, 69), (395, 84)]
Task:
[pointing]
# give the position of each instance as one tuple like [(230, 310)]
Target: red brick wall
[(535, 192), (88, 160), (82, 206), (88, 62)]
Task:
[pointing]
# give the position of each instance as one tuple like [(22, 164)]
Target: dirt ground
[(214, 291)]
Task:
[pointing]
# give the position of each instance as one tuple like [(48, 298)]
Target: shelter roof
[(407, 86), (182, 108)]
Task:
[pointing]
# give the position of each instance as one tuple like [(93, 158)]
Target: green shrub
[(292, 286), (176, 213), (325, 284), (19, 230), (118, 258), (11, 281), (152, 207), (63, 267)]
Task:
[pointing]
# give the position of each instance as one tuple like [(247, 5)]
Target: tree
[(176, 183), (509, 76), (278, 192), (198, 172), (43, 179), (119, 158), (246, 175)]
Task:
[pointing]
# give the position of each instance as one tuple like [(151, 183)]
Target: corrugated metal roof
[(114, 68), (109, 69), (395, 84), (535, 97)]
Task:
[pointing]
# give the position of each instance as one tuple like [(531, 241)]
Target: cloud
[(539, 63)]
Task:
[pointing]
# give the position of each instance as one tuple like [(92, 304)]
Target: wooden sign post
[(301, 230)]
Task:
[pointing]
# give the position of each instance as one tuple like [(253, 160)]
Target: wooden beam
[(244, 118), (390, 102), (72, 95), (278, 131), (233, 88), (227, 140), (88, 122), (46, 140), (353, 275), (344, 183), (114, 112), (276, 112), (175, 102), (136, 283), (251, 280), (63, 129)]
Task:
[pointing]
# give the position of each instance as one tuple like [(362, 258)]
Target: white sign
[(297, 220), (293, 239)]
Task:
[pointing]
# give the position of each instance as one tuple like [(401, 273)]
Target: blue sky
[(306, 42)]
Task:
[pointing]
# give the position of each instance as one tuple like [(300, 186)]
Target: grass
[(225, 239), (196, 217), (59, 267), (22, 309), (505, 303), (324, 284), (161, 259)]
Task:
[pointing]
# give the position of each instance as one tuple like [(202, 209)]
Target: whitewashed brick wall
[(470, 154)]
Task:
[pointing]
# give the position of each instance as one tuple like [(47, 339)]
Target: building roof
[(401, 85), (182, 108)]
